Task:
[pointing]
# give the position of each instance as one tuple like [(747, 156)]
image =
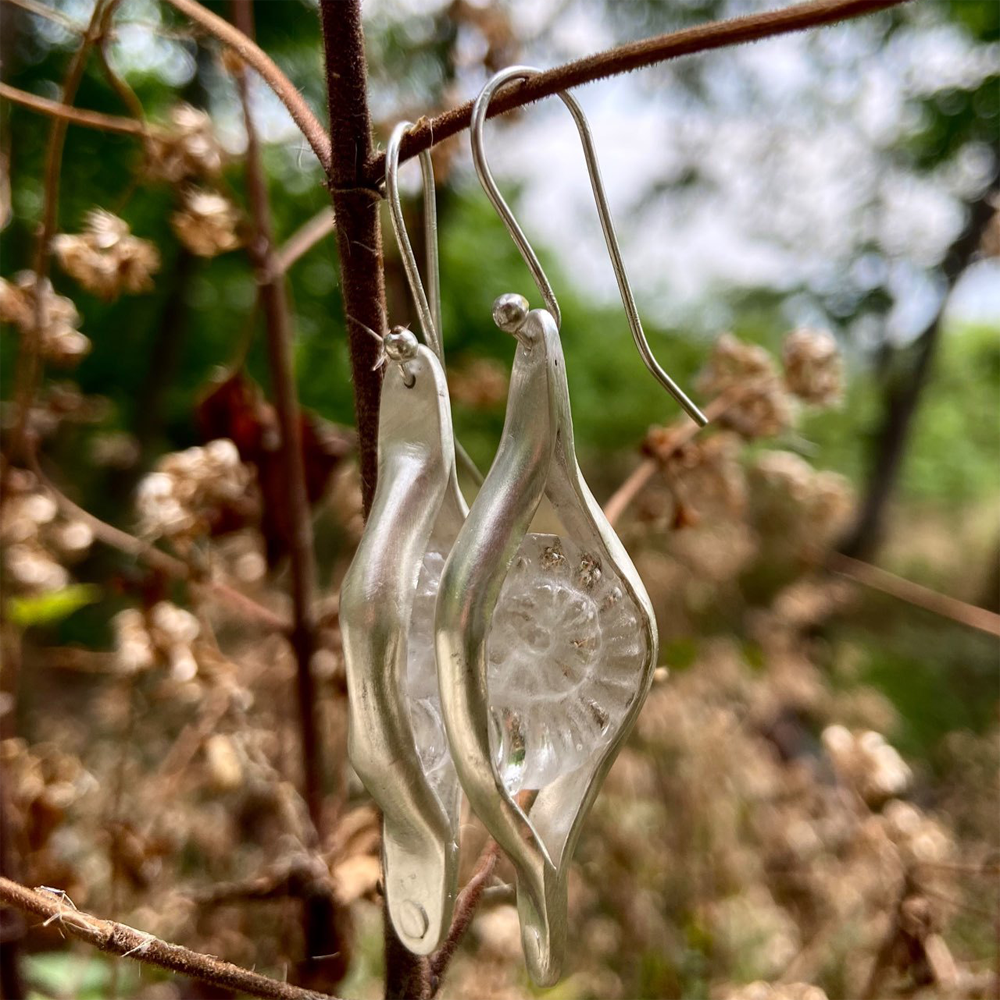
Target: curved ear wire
[(479, 110), (428, 304), (428, 307)]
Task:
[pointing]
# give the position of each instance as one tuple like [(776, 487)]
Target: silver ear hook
[(428, 306), (479, 110)]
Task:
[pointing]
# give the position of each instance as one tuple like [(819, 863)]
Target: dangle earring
[(546, 643), (396, 739)]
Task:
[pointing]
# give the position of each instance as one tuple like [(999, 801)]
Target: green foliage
[(52, 606), (90, 973)]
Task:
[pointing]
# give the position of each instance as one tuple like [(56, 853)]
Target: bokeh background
[(809, 803)]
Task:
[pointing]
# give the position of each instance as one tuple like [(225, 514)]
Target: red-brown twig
[(127, 942), (321, 225), (253, 55), (429, 132), (75, 116), (465, 909), (915, 594), (271, 288)]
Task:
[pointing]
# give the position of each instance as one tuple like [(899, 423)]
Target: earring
[(396, 739), (546, 643)]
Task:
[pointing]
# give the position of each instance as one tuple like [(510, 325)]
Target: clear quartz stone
[(562, 659)]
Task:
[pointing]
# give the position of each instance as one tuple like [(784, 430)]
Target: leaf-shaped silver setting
[(417, 508), (536, 458)]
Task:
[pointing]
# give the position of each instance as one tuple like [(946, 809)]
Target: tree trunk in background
[(903, 391)]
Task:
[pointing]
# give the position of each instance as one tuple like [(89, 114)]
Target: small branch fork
[(127, 942)]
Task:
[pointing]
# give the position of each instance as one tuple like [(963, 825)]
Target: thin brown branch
[(321, 225), (76, 116), (256, 57), (118, 84), (429, 132), (159, 560), (915, 594), (127, 942), (29, 359), (277, 317), (465, 908), (50, 14)]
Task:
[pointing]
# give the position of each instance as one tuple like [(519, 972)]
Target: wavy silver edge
[(536, 457), (416, 500)]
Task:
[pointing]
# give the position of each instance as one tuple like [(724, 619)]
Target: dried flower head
[(106, 258), (36, 539), (814, 369), (796, 505), (58, 339), (188, 147), (189, 490), (14, 305), (867, 763), (759, 405), (705, 473), (164, 636), (206, 222)]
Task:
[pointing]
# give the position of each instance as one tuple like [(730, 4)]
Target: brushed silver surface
[(536, 457), (416, 504)]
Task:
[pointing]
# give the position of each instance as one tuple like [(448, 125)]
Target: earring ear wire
[(479, 109)]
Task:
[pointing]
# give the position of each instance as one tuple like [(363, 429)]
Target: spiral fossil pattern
[(562, 659)]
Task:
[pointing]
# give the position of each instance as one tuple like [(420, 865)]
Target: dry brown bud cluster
[(163, 635), (37, 540), (206, 222), (187, 147), (813, 366), (189, 490), (106, 258), (38, 312)]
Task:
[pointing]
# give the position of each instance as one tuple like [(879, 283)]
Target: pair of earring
[(482, 657)]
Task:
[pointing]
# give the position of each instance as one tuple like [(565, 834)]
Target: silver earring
[(396, 739), (546, 644)]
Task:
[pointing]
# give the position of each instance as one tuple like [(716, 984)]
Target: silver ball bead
[(400, 344), (509, 311)]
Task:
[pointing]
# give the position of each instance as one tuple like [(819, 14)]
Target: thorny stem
[(271, 287), (120, 939), (76, 116), (429, 132), (254, 56)]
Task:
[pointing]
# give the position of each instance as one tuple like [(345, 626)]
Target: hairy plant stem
[(75, 116), (355, 206), (429, 132), (120, 939)]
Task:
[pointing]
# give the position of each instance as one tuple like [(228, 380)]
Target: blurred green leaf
[(46, 609)]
